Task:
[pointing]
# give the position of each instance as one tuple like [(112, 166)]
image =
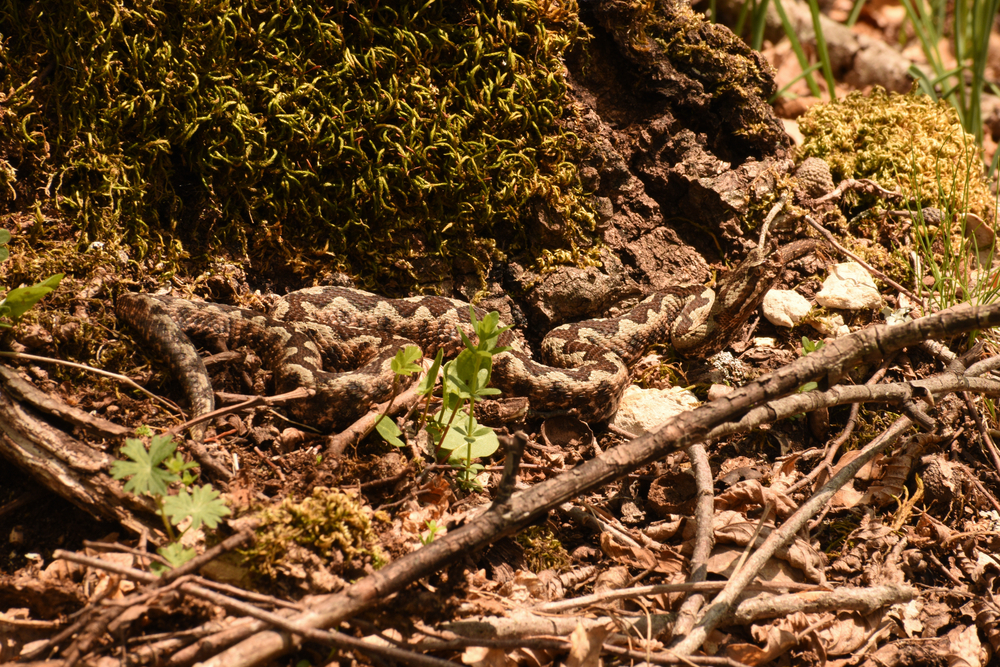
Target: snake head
[(736, 298)]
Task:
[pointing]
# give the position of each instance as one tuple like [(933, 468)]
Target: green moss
[(871, 424), (543, 550), (330, 524), (905, 142), (893, 263), (395, 141)]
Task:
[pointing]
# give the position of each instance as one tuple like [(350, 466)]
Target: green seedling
[(455, 434), (21, 299), (808, 346), (151, 471), (433, 528)]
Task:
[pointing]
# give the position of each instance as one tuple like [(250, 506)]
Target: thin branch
[(659, 589), (719, 607), (704, 536), (896, 392), (868, 267), (251, 402), (170, 405)]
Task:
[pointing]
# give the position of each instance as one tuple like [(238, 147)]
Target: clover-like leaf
[(143, 467), (201, 503), (484, 441)]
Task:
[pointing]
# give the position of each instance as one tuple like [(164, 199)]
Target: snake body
[(339, 342)]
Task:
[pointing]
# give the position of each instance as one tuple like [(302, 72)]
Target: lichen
[(394, 141), (905, 142)]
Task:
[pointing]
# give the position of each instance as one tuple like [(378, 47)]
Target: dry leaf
[(964, 647), (846, 497), (482, 656), (733, 528), (777, 642), (751, 493), (724, 558), (828, 634), (585, 645), (907, 615), (633, 556)]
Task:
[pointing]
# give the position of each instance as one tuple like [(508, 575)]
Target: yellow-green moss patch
[(395, 141), (329, 524), (906, 142)]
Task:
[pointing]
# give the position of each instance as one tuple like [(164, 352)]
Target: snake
[(339, 342)]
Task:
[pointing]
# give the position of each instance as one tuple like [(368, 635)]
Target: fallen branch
[(181, 579), (936, 386), (861, 600), (704, 536), (336, 444), (26, 391), (658, 589), (70, 468)]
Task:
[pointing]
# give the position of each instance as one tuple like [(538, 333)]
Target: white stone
[(717, 391), (785, 307), (642, 410), (849, 287), (830, 325)]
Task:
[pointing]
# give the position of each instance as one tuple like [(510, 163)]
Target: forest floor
[(602, 546)]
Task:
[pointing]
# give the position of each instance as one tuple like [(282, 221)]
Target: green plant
[(757, 12), (969, 25), (433, 528), (808, 346), (949, 252), (150, 471), (821, 50), (20, 300), (453, 430)]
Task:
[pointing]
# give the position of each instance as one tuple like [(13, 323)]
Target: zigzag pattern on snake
[(339, 342)]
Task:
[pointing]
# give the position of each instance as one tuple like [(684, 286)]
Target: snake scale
[(339, 341)]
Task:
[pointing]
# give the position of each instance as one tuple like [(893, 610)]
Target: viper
[(339, 342)]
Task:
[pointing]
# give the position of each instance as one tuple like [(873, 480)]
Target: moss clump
[(391, 140), (909, 142), (330, 525), (543, 550)]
